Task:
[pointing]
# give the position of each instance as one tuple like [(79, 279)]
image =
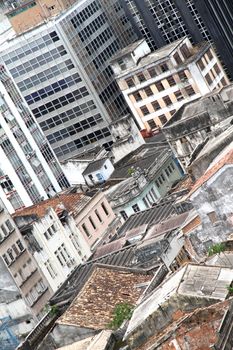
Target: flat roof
[(128, 49)]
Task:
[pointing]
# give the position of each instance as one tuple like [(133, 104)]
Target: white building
[(57, 245), (98, 171), (156, 84), (29, 171)]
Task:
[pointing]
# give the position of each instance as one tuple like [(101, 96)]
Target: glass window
[(148, 91), (159, 86), (104, 208), (144, 110), (135, 208)]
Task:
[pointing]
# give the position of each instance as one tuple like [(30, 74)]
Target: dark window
[(223, 81), (98, 216), (208, 79), (164, 67), (217, 69), (182, 76), (201, 64), (155, 105), (171, 81), (189, 90), (130, 82), (135, 208), (209, 54), (104, 209), (167, 100), (137, 96), (92, 223), (151, 124), (163, 119), (152, 72), (159, 86), (144, 110), (148, 91), (20, 245), (84, 227), (177, 58), (124, 215), (185, 51), (178, 95), (141, 78)]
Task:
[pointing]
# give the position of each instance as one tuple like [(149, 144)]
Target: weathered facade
[(194, 122)]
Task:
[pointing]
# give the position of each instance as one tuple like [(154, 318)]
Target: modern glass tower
[(29, 170)]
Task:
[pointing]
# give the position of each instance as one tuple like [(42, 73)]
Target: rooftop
[(73, 202), (94, 166), (152, 216), (167, 226), (128, 49), (220, 161), (144, 157), (201, 105), (192, 280), (104, 289)]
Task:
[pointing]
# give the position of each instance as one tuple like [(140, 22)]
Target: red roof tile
[(226, 159), (73, 202)]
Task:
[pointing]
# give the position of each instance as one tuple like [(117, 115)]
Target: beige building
[(31, 13), (28, 277), (156, 84)]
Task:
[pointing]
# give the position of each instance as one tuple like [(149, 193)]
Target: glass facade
[(63, 71)]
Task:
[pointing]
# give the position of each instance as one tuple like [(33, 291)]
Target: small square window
[(159, 86), (144, 110), (148, 91)]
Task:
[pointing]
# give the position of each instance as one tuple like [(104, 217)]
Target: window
[(155, 105), (182, 76), (122, 64), (172, 166), (178, 95), (173, 112), (141, 78), (212, 216), (177, 58), (145, 202), (130, 82), (92, 222), (5, 258), (164, 67), (171, 81), (223, 81), (167, 101), (124, 215), (163, 119), (135, 208), (208, 79), (62, 255), (159, 86), (157, 183), (84, 227), (201, 64), (104, 209), (9, 225), (152, 72), (217, 69), (144, 110), (15, 249), (137, 96), (4, 230), (10, 254), (209, 54), (189, 90), (50, 269), (148, 91), (185, 51), (98, 216), (20, 245), (151, 124)]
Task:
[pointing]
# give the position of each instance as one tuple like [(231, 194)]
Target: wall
[(104, 172), (89, 211), (73, 170), (215, 195)]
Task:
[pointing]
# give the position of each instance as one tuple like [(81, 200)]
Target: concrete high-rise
[(62, 67), (164, 21), (29, 170)]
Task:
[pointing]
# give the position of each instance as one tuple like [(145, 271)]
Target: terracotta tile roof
[(226, 159), (108, 248), (106, 287), (73, 202)]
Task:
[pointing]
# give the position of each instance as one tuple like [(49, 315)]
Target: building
[(211, 197), (148, 174), (84, 318), (25, 15), (155, 85), (22, 266), (29, 170), (190, 288), (197, 121), (98, 171), (62, 67), (162, 22)]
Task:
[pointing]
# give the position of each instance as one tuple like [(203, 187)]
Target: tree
[(121, 313), (219, 248)]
